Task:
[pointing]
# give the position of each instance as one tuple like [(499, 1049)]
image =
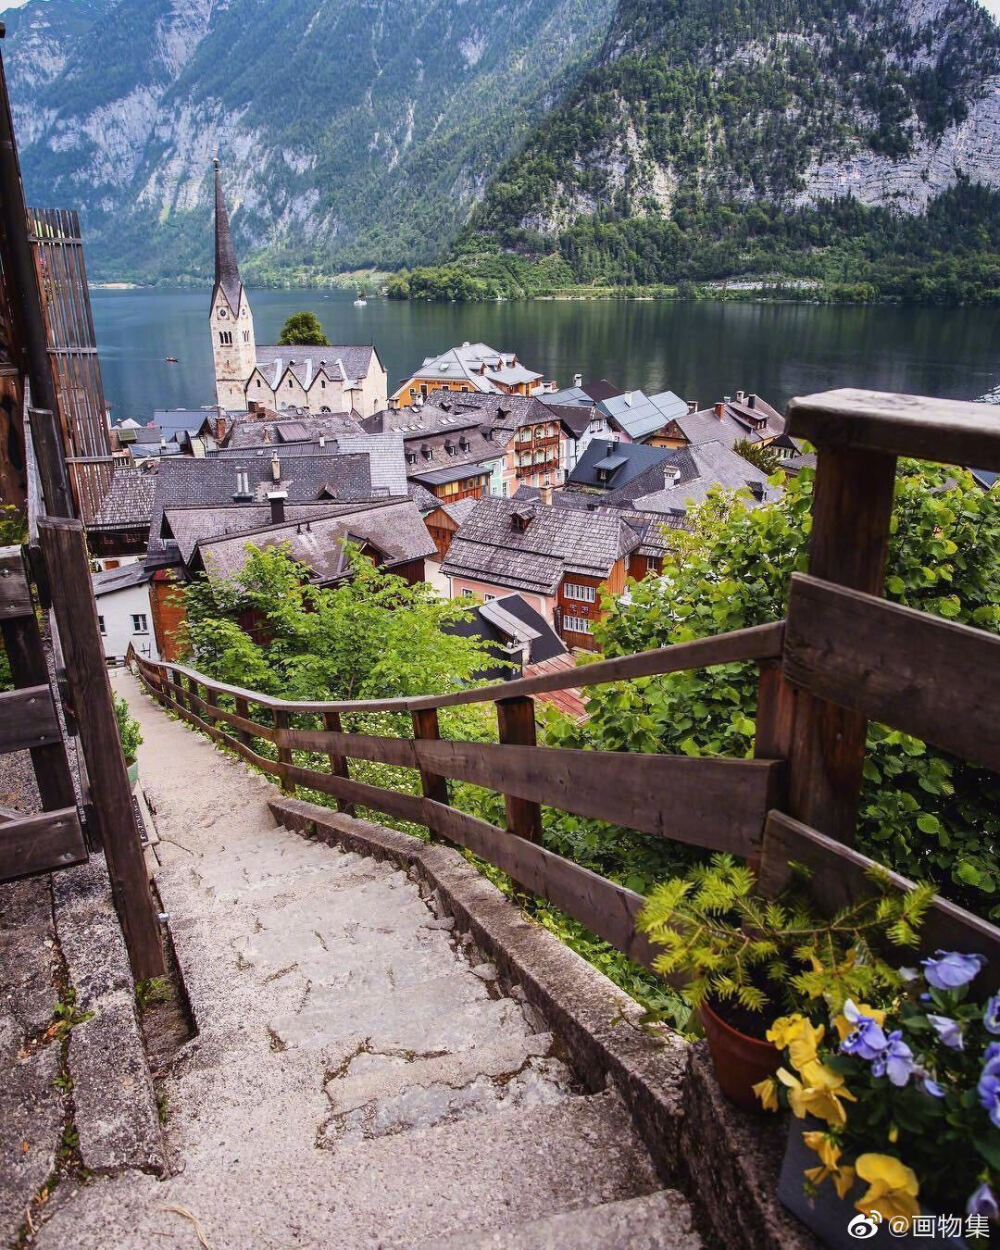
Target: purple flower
[(896, 1061), (948, 969), (989, 1086), (949, 1031), (992, 1052), (983, 1202), (867, 1039), (933, 1088), (991, 1016)]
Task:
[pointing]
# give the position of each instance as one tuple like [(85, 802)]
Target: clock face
[(244, 313), (222, 312)]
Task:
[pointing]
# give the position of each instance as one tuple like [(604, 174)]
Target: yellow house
[(473, 367)]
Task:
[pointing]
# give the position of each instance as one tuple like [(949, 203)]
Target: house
[(499, 440), (337, 379), (293, 428), (701, 468), (560, 560), (643, 416), (471, 368), (391, 534), (578, 393), (124, 613), (609, 465), (730, 421), (120, 527), (443, 522)]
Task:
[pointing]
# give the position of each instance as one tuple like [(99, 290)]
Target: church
[(316, 379)]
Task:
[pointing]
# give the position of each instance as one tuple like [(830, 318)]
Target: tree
[(303, 329), (760, 455), (925, 814)]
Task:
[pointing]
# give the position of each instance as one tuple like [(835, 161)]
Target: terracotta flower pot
[(740, 1061)]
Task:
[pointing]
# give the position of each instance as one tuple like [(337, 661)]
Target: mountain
[(804, 138), (351, 132)]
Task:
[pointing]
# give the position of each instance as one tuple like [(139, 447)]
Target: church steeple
[(227, 271), (234, 350)]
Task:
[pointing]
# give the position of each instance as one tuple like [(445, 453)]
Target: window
[(139, 623), (488, 598), (258, 381), (576, 625), (100, 622), (466, 594), (573, 590), (322, 384), (246, 336), (225, 337), (652, 564), (524, 435)]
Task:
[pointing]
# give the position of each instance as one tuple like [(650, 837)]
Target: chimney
[(275, 468), (727, 399), (628, 399), (545, 495), (276, 498), (322, 440), (242, 492), (720, 410), (740, 396), (751, 400), (692, 405), (578, 379), (611, 446)]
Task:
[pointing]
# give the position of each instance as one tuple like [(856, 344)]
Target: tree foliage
[(924, 813), (303, 329)]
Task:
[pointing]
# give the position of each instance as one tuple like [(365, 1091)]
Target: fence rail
[(717, 804)]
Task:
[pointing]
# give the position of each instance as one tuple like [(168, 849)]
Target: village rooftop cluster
[(477, 474)]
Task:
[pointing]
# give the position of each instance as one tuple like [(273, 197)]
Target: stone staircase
[(359, 1077)]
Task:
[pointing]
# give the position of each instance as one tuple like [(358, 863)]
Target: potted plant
[(897, 1112), (746, 960), (131, 738)]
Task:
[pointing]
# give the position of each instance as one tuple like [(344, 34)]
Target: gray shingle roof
[(128, 502), (737, 422), (641, 415), (556, 541), (631, 460), (306, 363), (385, 457), (477, 364), (123, 578), (716, 465), (396, 530), (212, 482), (288, 429), (227, 273), (189, 526)]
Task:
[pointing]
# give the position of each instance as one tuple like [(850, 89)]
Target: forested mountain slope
[(351, 131), (715, 138)]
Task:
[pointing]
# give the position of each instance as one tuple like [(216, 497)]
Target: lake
[(699, 350)]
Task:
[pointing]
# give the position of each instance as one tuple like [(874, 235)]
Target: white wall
[(116, 609)]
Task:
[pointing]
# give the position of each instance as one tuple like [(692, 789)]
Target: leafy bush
[(128, 730)]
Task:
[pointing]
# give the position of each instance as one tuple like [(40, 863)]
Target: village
[(476, 474)]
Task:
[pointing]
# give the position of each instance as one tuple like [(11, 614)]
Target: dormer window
[(411, 457)]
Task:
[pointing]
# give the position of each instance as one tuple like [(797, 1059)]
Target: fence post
[(425, 728), (338, 763), (244, 735), (849, 543), (65, 553), (516, 723), (284, 753)]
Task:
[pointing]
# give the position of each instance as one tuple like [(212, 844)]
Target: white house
[(123, 612)]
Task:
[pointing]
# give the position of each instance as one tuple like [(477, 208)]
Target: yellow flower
[(819, 1093), (798, 1036), (767, 1092), (829, 1153), (844, 1026), (893, 1187)]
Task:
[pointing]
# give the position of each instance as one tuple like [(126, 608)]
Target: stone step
[(379, 1094), (660, 1221), (452, 1012)]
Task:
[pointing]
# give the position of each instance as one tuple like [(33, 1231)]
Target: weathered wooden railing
[(842, 656)]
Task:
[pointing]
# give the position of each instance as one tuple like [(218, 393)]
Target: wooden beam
[(516, 724), (27, 719), (840, 877), (943, 430), (15, 592), (929, 677), (851, 515), (338, 763), (65, 553), (434, 786), (41, 843), (284, 753)]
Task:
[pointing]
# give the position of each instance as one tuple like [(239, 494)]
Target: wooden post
[(26, 657), (65, 553), (284, 753), (516, 722), (851, 516), (243, 709), (425, 726), (338, 763)]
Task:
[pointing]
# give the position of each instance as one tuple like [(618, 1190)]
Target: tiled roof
[(576, 416), (189, 526), (128, 502), (123, 578), (385, 457), (460, 510), (396, 530), (212, 482), (641, 415), (338, 363), (290, 428), (477, 364), (738, 421), (506, 620), (422, 497), (717, 465), (572, 701), (634, 459), (556, 540)]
